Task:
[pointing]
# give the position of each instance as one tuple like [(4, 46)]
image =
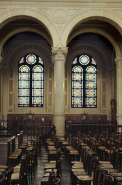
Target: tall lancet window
[(84, 82), (31, 81)]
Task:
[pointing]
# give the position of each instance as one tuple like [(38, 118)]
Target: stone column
[(59, 58), (118, 61), (0, 59)]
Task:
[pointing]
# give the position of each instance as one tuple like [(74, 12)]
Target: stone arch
[(104, 15), (77, 51), (102, 33), (16, 13), (17, 53), (3, 41)]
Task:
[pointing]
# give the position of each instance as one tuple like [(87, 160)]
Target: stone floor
[(42, 159)]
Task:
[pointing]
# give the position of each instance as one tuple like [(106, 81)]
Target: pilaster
[(118, 61)]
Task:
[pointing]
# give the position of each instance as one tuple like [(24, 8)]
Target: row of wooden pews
[(21, 161), (55, 155), (100, 159)]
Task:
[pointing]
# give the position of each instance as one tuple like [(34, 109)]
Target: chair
[(29, 165), (56, 181), (111, 166), (17, 178), (52, 153), (119, 161), (67, 143), (64, 138), (2, 181), (101, 175), (108, 180), (119, 183), (48, 180), (85, 177), (96, 175), (13, 158), (73, 152), (7, 175)]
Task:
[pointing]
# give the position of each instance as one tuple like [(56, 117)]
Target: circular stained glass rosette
[(31, 59), (84, 59)]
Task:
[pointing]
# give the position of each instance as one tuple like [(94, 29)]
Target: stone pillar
[(0, 59), (118, 61), (59, 58)]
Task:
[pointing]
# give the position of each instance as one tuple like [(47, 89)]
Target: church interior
[(61, 92)]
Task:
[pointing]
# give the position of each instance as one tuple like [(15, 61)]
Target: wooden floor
[(42, 160)]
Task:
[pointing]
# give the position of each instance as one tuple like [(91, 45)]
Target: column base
[(59, 122)]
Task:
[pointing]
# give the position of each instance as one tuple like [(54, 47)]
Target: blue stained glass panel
[(24, 84), (76, 76), (38, 69), (37, 100), (23, 100), (36, 84), (77, 84), (24, 92), (90, 69), (77, 101), (91, 93), (91, 77), (77, 69), (90, 84), (37, 76), (24, 68), (77, 92), (37, 92), (90, 102), (24, 76)]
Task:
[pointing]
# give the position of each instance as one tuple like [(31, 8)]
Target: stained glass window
[(84, 87), (31, 81), (77, 86)]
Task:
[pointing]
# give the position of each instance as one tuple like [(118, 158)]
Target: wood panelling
[(86, 117)]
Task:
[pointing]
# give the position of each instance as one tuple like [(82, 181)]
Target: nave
[(42, 159), (84, 159)]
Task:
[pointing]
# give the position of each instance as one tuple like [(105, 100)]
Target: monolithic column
[(59, 58), (118, 61)]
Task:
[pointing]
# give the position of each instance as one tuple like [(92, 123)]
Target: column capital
[(59, 53), (118, 61)]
